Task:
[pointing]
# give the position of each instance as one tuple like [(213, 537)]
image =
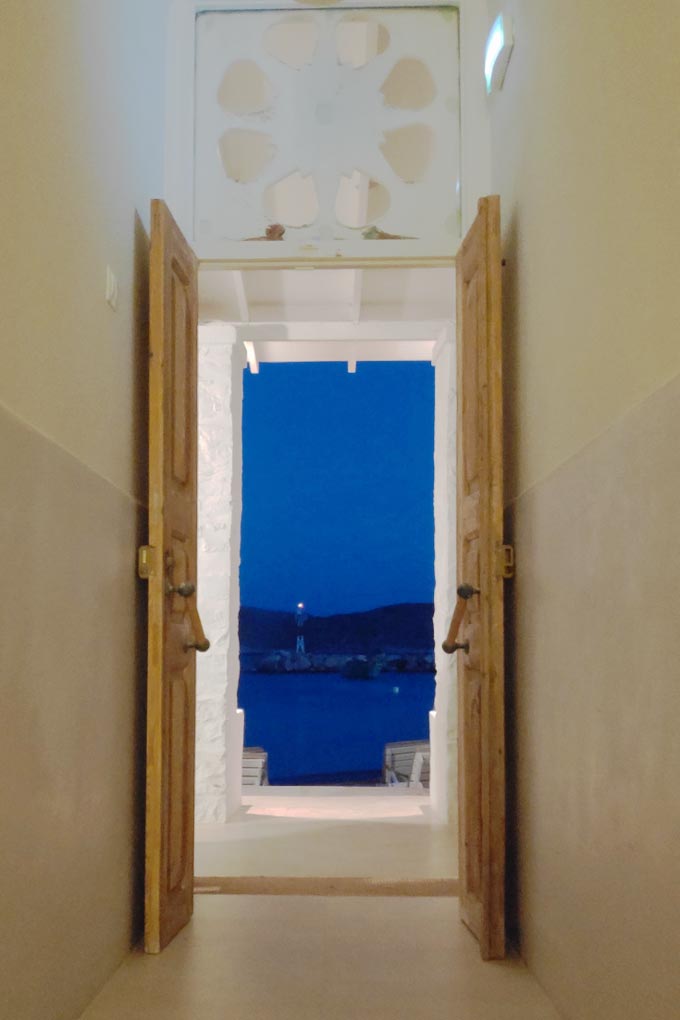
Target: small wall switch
[(111, 288)]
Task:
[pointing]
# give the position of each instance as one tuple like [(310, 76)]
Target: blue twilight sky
[(338, 482)]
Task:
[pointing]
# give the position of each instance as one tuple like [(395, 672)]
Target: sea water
[(325, 726)]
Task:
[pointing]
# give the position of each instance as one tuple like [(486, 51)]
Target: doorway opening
[(343, 320), (337, 574)]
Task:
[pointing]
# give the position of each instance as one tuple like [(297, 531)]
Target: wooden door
[(169, 563), (481, 565)]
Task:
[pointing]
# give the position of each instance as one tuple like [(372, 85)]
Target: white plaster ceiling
[(331, 314)]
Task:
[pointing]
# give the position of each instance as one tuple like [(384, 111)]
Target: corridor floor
[(319, 958)]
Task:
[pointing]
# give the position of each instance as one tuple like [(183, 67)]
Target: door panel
[(480, 539), (181, 375), (178, 725), (171, 691)]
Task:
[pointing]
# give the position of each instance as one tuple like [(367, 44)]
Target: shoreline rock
[(354, 666)]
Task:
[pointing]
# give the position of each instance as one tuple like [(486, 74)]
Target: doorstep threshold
[(266, 885)]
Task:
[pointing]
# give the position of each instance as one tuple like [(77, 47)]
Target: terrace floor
[(383, 833)]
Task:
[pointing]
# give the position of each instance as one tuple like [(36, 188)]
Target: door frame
[(223, 574)]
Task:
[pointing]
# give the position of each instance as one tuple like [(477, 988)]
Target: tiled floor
[(317, 958), (384, 833)]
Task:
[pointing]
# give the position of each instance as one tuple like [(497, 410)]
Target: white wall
[(219, 723), (475, 133), (444, 718)]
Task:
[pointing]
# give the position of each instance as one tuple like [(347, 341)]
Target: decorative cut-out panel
[(292, 202), (244, 89), (360, 201), (245, 154), (329, 132), (409, 151), (409, 85), (359, 38), (293, 39)]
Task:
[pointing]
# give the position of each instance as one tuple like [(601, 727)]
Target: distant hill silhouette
[(404, 627)]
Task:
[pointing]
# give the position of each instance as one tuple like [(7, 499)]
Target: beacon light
[(301, 605), (497, 53)]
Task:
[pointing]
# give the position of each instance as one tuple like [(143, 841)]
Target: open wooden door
[(482, 565), (169, 564)]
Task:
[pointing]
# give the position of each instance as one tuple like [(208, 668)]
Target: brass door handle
[(200, 642), (456, 647), (200, 646), (465, 592)]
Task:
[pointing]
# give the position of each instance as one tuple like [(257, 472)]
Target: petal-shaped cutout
[(293, 40), (245, 88), (245, 154), (409, 151), (292, 201), (360, 200), (359, 39), (409, 85)]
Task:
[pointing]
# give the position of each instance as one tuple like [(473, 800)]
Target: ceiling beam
[(347, 351), (297, 311), (313, 332)]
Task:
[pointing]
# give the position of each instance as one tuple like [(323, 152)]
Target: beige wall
[(81, 123), (586, 151)]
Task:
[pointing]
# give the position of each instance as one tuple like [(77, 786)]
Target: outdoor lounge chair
[(407, 763), (254, 767)]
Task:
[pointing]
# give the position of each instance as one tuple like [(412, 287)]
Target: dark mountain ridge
[(406, 626)]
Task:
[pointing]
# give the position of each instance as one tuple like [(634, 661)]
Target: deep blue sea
[(322, 724)]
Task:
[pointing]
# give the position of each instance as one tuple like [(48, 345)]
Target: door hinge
[(146, 562), (506, 561)]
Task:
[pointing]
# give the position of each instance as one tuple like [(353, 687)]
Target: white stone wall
[(219, 724), (444, 718)]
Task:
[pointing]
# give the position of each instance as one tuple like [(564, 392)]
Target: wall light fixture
[(499, 46)]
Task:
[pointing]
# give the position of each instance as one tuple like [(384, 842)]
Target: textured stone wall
[(444, 718), (219, 724)]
